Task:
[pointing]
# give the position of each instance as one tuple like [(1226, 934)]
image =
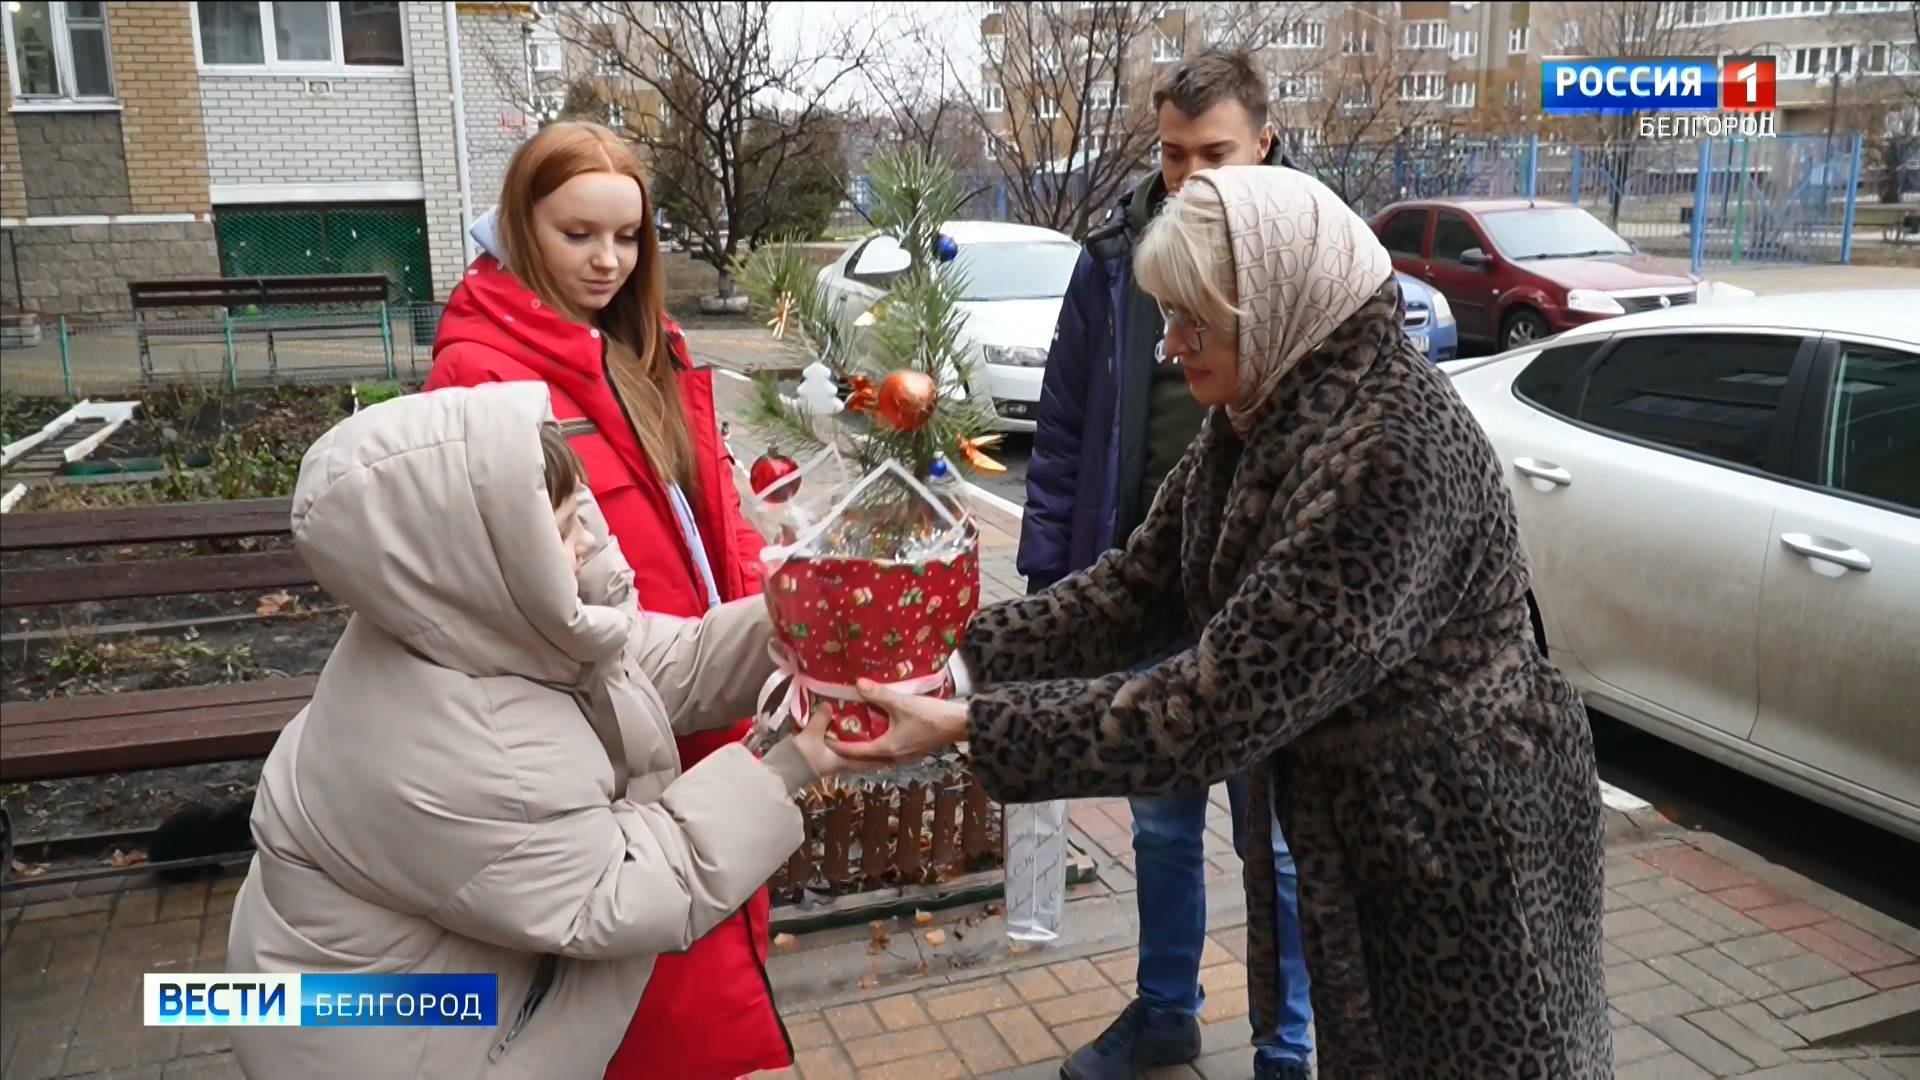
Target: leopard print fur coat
[(1355, 576)]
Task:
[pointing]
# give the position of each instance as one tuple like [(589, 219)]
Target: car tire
[(1521, 326)]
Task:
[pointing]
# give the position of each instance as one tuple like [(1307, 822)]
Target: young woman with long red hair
[(569, 293)]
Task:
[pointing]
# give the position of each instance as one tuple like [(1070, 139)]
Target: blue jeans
[(1172, 872)]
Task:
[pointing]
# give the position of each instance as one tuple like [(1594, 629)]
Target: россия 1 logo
[(1671, 84), (1742, 86)]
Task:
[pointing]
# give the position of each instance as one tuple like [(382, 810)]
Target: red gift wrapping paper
[(845, 619)]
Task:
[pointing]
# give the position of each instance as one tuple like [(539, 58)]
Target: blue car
[(1429, 319)]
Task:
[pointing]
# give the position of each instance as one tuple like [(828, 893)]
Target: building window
[(1422, 87), (1466, 43), (545, 9), (1100, 98), (990, 147), (1774, 9), (1423, 34), (58, 52), (1303, 139), (1430, 135), (616, 116), (1298, 89), (1816, 61), (1694, 13), (544, 55), (606, 64), (301, 36), (548, 105), (1166, 50), (994, 45), (1461, 95), (1356, 43), (1570, 34), (1049, 107), (1356, 96), (993, 98), (1516, 93), (1517, 40), (1301, 35)]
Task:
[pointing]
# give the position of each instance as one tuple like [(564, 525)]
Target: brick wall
[(153, 69), (13, 192), (294, 129), (439, 168), (82, 271), (73, 163), (492, 51)]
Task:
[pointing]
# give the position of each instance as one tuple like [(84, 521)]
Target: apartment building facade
[(1423, 72), (166, 140)]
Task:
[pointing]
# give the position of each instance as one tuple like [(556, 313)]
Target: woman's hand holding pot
[(919, 725)]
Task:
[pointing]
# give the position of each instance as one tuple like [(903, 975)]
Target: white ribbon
[(792, 704)]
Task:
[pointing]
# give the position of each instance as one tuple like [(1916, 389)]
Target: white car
[(1015, 274), (1721, 504)]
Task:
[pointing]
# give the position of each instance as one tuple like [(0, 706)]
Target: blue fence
[(1719, 202)]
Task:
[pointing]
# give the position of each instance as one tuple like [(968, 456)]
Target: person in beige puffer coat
[(485, 780)]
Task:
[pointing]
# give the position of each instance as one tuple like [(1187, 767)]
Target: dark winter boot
[(1276, 1069), (1141, 1038)]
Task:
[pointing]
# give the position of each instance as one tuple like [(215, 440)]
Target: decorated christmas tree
[(902, 367), (872, 565)]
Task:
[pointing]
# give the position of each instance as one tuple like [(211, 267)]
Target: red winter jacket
[(708, 1012)]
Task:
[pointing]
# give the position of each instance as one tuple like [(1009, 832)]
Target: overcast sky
[(806, 25)]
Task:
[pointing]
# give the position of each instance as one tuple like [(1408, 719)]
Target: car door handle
[(1545, 471), (1830, 550)]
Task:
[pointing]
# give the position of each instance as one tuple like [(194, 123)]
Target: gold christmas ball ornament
[(906, 401)]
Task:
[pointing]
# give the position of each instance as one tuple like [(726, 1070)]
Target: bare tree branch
[(725, 121)]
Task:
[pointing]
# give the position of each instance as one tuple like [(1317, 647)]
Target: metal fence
[(360, 239), (1714, 202), (93, 358)]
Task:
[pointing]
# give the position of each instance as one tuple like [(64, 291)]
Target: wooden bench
[(100, 733), (356, 302)]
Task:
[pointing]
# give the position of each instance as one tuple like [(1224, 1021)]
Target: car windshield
[(1564, 232), (1016, 271)]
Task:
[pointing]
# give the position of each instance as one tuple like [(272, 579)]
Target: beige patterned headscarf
[(1303, 262)]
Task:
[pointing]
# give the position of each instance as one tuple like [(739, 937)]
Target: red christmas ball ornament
[(769, 469), (906, 400)]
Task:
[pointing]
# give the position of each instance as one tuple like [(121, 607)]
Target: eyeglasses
[(1172, 319)]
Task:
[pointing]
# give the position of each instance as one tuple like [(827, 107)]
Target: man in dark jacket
[(1112, 422)]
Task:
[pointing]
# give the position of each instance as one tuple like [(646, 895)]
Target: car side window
[(878, 262), (1451, 236), (1549, 376), (1716, 395), (1873, 433), (1404, 231)]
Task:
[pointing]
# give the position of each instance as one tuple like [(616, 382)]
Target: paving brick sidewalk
[(1718, 965)]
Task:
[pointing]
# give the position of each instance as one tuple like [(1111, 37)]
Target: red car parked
[(1515, 270)]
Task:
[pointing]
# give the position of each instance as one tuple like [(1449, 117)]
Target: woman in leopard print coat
[(1341, 539)]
